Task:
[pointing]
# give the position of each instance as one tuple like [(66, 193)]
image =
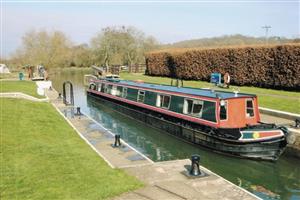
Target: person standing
[(46, 76), (226, 80)]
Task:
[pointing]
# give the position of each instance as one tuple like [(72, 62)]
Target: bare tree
[(50, 49), (121, 45)]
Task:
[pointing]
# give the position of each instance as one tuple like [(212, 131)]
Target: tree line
[(230, 40), (111, 46)]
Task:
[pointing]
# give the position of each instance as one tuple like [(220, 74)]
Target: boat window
[(163, 101), (103, 87), (114, 90), (189, 106), (99, 87), (193, 107), (92, 86), (223, 110), (197, 108), (124, 92), (108, 89), (209, 111), (119, 91), (141, 96), (249, 108)]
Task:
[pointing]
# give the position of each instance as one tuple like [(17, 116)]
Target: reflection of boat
[(223, 121), (145, 141), (263, 190)]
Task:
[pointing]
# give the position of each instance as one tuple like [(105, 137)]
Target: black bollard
[(117, 141), (195, 166), (297, 123), (78, 111)]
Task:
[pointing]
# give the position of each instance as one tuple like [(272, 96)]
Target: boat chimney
[(236, 91)]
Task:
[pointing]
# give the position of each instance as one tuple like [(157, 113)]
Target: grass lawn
[(269, 98), (42, 157), (27, 87)]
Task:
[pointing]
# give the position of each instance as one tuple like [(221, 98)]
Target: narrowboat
[(225, 122)]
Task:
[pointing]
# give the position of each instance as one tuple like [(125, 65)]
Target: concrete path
[(164, 180), (170, 180), (20, 95), (99, 138), (276, 120)]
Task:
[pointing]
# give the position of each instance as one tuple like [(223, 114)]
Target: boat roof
[(187, 90)]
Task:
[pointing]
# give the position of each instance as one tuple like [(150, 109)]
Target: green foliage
[(42, 157), (81, 56), (261, 66), (229, 40), (113, 45), (268, 98), (27, 87)]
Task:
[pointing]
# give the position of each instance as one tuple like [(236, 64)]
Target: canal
[(268, 180)]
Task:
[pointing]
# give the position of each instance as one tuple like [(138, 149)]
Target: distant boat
[(4, 69), (226, 122)]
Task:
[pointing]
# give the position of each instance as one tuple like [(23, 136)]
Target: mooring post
[(78, 112), (195, 166), (117, 140), (297, 123)]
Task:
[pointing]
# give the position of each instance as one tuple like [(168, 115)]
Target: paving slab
[(172, 177), (276, 120)]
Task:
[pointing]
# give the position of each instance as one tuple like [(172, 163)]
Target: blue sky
[(167, 21)]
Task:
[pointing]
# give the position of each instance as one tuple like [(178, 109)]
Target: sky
[(168, 22)]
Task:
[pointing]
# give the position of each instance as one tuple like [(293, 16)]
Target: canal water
[(268, 180)]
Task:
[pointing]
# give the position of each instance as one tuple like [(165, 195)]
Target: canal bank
[(268, 180), (164, 180)]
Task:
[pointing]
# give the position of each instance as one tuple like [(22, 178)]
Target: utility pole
[(267, 32)]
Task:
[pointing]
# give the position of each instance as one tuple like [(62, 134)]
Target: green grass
[(42, 157), (27, 87), (275, 99)]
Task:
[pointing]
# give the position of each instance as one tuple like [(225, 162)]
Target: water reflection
[(269, 180)]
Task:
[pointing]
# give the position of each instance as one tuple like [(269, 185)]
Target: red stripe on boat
[(269, 134), (171, 113)]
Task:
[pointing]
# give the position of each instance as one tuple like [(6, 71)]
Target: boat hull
[(263, 150)]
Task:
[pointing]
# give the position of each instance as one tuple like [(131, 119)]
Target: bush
[(263, 66)]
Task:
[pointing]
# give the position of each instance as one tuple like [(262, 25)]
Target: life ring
[(226, 78), (92, 86)]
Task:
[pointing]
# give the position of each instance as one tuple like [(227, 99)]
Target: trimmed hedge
[(270, 67)]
